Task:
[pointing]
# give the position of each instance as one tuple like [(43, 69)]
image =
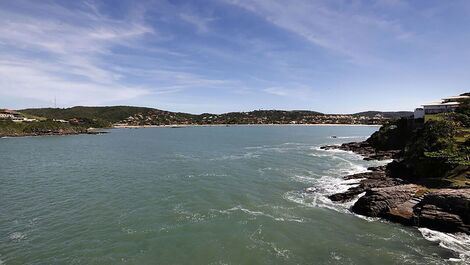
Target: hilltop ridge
[(130, 115)]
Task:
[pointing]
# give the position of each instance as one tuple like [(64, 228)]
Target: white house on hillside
[(8, 114), (419, 113), (449, 104)]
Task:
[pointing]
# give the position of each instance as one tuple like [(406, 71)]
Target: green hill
[(108, 114), (386, 114)]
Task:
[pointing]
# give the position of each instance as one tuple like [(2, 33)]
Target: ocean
[(198, 195)]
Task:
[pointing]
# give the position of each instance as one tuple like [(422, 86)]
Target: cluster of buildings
[(341, 119), (157, 117), (449, 104), (13, 116)]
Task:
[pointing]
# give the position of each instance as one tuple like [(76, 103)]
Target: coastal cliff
[(427, 184)]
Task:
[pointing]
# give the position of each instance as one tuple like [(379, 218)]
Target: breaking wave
[(316, 195), (260, 213), (351, 137), (458, 243)]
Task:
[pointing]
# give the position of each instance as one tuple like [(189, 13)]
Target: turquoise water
[(197, 195)]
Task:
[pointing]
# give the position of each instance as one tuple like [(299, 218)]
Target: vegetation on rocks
[(392, 136), (428, 183), (45, 127), (437, 148), (94, 116)]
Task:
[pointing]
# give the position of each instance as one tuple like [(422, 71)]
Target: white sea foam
[(279, 148), (128, 230), (17, 236), (260, 213), (351, 137), (258, 239), (212, 175), (350, 154), (247, 155), (316, 196), (344, 163), (319, 155), (188, 216), (307, 177), (185, 157), (458, 243)]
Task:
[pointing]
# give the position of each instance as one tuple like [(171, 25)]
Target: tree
[(464, 107)]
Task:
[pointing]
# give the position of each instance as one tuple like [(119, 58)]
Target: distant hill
[(386, 114), (107, 116), (118, 113)]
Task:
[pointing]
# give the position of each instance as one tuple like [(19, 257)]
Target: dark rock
[(374, 179), (96, 132), (367, 175), (402, 213), (389, 197), (330, 147), (378, 201), (365, 149), (445, 210), (379, 168)]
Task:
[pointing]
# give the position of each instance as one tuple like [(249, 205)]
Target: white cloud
[(39, 81), (276, 91), (43, 57), (201, 23), (296, 91), (349, 31), (67, 54)]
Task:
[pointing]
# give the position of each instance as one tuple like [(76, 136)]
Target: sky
[(332, 56)]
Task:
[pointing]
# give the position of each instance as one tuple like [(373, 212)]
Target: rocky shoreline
[(52, 133), (403, 200)]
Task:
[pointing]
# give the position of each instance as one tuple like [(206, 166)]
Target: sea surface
[(197, 195)]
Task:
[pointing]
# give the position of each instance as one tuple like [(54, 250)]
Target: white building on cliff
[(449, 104)]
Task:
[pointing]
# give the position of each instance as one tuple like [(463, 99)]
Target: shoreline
[(396, 198), (239, 125), (95, 131), (91, 131), (440, 214)]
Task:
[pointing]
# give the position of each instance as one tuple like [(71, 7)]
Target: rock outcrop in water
[(364, 149), (446, 210), (377, 178), (378, 202), (399, 199)]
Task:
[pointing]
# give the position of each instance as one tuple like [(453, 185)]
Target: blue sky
[(333, 56)]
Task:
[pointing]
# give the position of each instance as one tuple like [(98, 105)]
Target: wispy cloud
[(74, 69), (42, 82), (241, 54), (276, 91), (297, 91), (347, 31), (201, 23)]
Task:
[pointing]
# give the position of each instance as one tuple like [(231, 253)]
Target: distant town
[(81, 119), (141, 117)]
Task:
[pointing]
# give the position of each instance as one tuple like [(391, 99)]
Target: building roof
[(452, 103), (456, 97)]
